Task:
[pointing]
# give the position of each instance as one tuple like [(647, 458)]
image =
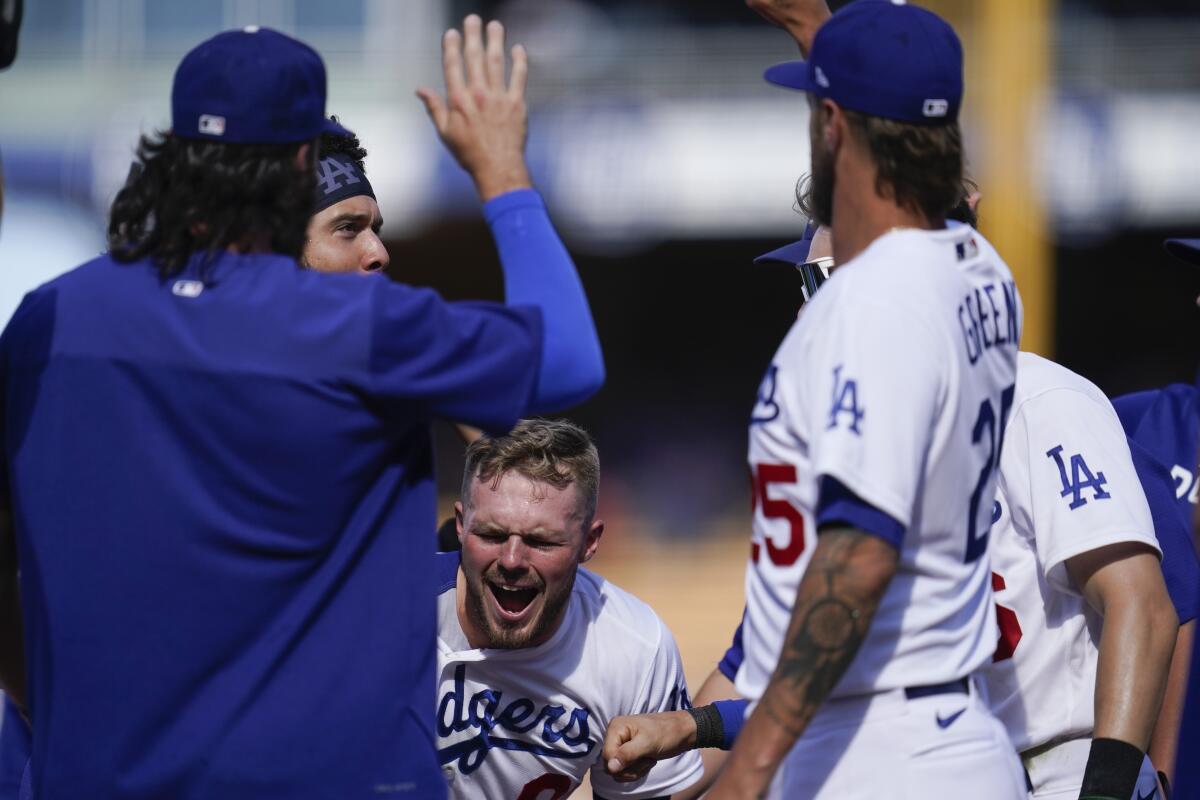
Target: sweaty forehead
[(516, 503)]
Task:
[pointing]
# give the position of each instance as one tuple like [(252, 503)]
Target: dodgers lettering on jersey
[(895, 381), (530, 723), (1068, 485)]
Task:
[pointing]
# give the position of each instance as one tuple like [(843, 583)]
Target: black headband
[(337, 179)]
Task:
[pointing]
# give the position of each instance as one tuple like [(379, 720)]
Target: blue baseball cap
[(790, 254), (884, 59), (1184, 249), (251, 86)]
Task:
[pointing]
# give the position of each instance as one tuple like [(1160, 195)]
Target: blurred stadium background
[(668, 164)]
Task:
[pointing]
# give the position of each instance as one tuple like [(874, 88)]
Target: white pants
[(885, 745), (1058, 773)]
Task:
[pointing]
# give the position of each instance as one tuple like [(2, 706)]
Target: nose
[(512, 554), (374, 255)]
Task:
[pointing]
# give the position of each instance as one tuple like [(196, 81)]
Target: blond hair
[(551, 451)]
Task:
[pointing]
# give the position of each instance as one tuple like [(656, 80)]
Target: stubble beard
[(502, 637)]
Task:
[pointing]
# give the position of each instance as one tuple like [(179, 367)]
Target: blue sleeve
[(837, 505), (469, 362), (539, 272), (733, 715), (15, 747), (1132, 407), (1181, 569), (734, 656)]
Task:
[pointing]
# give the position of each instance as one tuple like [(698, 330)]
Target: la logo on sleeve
[(845, 402), (1081, 478)]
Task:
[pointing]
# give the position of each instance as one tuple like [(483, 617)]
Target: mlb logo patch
[(188, 289), (212, 125), (936, 108)]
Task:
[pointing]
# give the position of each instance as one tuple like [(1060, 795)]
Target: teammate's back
[(229, 491), (219, 465), (879, 427)]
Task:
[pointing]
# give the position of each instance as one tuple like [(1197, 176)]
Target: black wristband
[(1166, 785), (710, 730), (1112, 770)]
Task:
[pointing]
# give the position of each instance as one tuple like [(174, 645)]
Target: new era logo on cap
[(212, 125), (820, 78), (936, 108)]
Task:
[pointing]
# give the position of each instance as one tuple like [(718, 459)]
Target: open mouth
[(512, 600)]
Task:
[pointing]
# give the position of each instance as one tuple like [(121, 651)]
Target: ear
[(591, 541), (833, 125), (306, 156), (973, 201), (458, 519)]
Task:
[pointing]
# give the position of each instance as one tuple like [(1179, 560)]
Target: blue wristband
[(733, 714)]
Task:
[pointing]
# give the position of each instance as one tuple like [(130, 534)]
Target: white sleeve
[(664, 689), (1083, 491), (878, 379)]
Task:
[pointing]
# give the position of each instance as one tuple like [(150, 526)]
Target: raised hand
[(483, 120), (800, 18)]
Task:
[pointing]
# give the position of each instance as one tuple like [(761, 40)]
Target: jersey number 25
[(761, 479)]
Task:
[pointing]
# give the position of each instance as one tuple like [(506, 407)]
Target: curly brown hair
[(184, 196)]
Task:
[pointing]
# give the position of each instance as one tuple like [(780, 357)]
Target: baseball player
[(1051, 666), (535, 653), (343, 232), (218, 465), (1087, 627), (878, 426)]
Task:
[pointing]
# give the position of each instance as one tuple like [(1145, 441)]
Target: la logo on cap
[(936, 108), (212, 125)]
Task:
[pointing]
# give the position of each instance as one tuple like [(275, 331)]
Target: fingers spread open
[(520, 71), (473, 52), (495, 56), (452, 64), (434, 107)]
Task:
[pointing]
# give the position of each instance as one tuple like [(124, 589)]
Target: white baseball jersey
[(527, 724), (1067, 486), (895, 381)]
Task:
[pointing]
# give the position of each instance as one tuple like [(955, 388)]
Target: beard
[(820, 190), (506, 637)]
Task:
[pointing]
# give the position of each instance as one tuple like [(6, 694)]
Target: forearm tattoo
[(835, 602)]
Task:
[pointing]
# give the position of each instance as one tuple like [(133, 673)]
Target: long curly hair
[(184, 196)]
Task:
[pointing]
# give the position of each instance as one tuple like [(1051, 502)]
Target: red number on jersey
[(763, 477), (1010, 628), (550, 786)]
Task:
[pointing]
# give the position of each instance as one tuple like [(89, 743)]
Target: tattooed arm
[(835, 602)]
